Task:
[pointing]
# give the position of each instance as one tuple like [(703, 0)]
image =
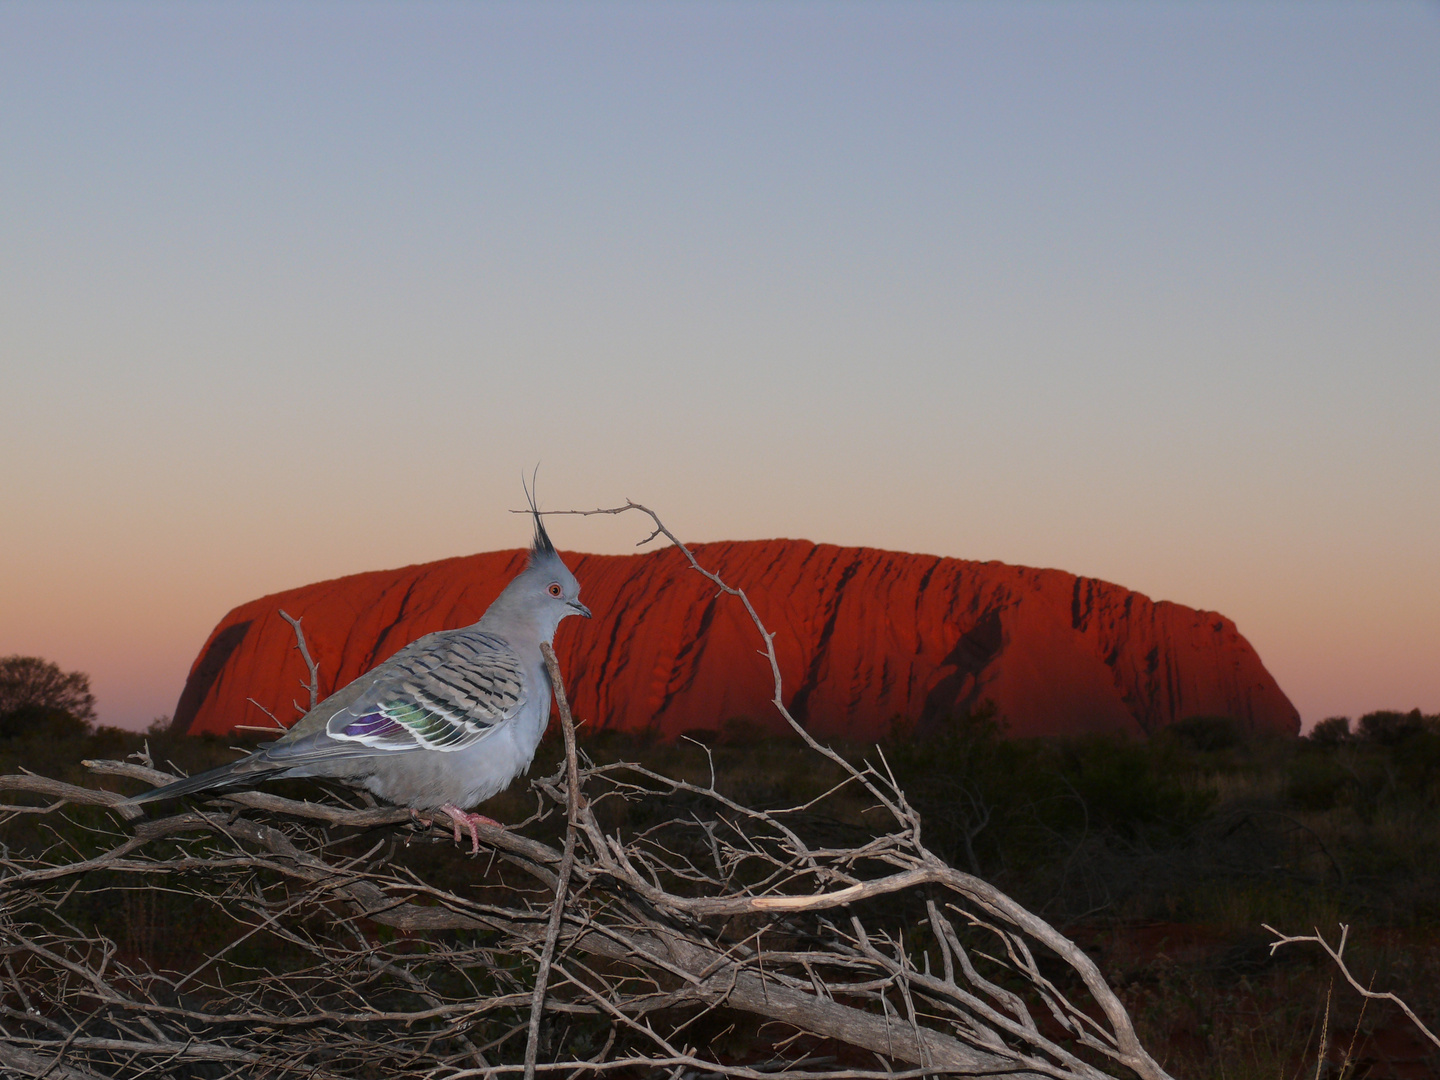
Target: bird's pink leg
[(459, 816)]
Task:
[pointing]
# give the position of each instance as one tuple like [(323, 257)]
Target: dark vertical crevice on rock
[(1147, 712), (612, 652), (1078, 616), (781, 551), (925, 578), (374, 657), (697, 645), (205, 674), (801, 698)]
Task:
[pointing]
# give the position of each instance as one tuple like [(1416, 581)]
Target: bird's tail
[(224, 776)]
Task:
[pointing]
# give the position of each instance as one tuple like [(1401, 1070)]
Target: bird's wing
[(444, 692)]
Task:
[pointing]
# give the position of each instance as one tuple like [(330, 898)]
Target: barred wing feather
[(443, 692)]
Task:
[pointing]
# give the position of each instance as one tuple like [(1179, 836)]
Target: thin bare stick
[(567, 861), (310, 664), (1337, 955)]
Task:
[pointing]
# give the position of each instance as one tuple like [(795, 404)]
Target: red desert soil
[(865, 638)]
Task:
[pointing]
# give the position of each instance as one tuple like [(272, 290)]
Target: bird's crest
[(541, 546)]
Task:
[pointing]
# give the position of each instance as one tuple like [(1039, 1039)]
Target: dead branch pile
[(636, 925)]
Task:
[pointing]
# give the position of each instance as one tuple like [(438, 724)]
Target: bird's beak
[(580, 609)]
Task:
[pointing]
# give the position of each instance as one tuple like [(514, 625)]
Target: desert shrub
[(1053, 819), (1207, 734), (1126, 787), (964, 779), (1318, 782), (1417, 766), (41, 723), (1331, 731), (1388, 728)]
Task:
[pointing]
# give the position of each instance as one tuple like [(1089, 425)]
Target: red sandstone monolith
[(867, 640)]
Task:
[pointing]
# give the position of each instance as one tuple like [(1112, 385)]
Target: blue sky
[(1141, 291)]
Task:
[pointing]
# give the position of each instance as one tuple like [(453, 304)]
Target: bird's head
[(546, 591)]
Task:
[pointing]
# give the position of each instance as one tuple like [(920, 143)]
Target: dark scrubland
[(1162, 858)]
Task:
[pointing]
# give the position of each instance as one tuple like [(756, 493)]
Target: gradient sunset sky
[(1145, 292)]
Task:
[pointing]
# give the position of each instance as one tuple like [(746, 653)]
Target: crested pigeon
[(447, 722)]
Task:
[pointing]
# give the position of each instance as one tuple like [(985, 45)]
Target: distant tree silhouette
[(1332, 731), (1387, 727), (30, 684)]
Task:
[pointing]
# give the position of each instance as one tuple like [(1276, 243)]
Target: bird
[(445, 723)]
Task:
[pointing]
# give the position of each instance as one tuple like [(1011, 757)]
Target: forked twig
[(1337, 954), (310, 665)]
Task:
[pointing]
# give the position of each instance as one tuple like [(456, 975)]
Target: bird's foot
[(460, 817)]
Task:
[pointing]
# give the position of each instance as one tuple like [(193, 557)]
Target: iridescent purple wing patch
[(373, 725)]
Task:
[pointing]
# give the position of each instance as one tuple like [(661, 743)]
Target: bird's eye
[(555, 589)]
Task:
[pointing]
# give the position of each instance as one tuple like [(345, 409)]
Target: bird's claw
[(470, 821)]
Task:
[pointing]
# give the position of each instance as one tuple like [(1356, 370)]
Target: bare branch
[(1337, 954), (310, 665), (567, 861)]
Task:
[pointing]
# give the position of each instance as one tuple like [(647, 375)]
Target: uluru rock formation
[(865, 638)]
